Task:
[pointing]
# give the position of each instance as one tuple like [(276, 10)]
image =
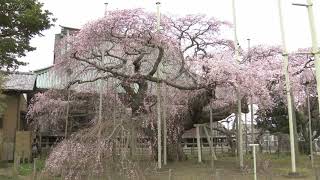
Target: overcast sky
[(256, 19)]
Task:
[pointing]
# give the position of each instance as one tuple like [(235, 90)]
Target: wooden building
[(17, 91)]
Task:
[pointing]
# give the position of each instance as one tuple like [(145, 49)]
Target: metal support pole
[(254, 163), (159, 97), (211, 125), (252, 118), (237, 57), (165, 132), (240, 140), (106, 9), (246, 131), (315, 49), (35, 168), (213, 157), (237, 135), (288, 89), (236, 43), (251, 104), (310, 126), (254, 160)]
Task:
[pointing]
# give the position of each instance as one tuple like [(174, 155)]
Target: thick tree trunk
[(195, 114), (192, 114)]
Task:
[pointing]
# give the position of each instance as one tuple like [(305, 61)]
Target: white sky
[(256, 19)]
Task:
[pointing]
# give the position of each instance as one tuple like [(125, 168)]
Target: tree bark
[(192, 114)]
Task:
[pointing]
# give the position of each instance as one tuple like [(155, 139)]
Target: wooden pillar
[(18, 113), (213, 155)]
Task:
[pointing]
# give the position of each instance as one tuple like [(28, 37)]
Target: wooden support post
[(18, 115), (198, 142), (214, 157)]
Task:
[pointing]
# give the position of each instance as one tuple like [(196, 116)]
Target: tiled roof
[(19, 81)]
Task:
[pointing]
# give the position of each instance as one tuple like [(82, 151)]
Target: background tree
[(275, 118), (20, 20)]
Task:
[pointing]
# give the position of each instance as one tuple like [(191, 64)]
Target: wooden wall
[(15, 103)]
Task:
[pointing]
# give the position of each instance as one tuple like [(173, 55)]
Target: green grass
[(6, 178), (228, 165), (27, 169), (190, 169)]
